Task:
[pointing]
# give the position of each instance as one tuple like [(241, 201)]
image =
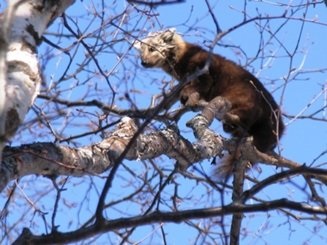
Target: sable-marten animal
[(257, 112)]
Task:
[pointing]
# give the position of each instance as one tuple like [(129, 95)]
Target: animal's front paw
[(229, 128), (191, 100)]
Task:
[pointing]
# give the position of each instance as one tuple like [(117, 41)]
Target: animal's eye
[(151, 49)]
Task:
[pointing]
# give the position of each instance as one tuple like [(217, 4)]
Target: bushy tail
[(225, 166), (228, 164)]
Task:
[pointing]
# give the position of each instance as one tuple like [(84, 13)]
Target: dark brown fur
[(254, 111), (258, 113)]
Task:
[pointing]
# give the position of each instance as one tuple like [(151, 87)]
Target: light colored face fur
[(159, 49)]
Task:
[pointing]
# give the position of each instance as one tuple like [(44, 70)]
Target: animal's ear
[(168, 35), (137, 45)]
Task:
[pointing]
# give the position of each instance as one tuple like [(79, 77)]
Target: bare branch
[(156, 3), (159, 216), (240, 166)]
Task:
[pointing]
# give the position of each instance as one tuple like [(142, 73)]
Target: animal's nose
[(145, 64)]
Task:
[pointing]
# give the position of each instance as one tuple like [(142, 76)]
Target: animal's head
[(158, 49)]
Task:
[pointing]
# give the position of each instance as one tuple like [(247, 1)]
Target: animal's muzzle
[(146, 64)]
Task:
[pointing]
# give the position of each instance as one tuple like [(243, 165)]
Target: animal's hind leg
[(237, 122)]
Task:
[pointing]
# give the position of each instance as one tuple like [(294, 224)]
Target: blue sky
[(300, 92)]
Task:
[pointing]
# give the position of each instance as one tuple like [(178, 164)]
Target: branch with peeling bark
[(23, 25), (51, 159)]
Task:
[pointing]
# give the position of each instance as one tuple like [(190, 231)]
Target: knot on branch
[(209, 143), (216, 108), (119, 139)]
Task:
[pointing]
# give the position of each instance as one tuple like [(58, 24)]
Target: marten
[(256, 111)]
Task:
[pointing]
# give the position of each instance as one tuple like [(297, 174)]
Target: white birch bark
[(126, 142), (23, 25), (123, 143)]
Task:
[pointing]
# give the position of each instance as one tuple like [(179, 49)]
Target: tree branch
[(51, 159), (156, 3), (160, 217), (238, 184)]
